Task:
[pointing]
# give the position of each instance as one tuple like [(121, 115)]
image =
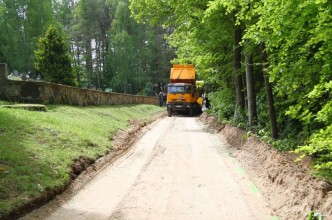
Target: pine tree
[(52, 59)]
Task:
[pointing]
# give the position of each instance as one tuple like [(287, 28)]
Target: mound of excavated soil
[(288, 185)]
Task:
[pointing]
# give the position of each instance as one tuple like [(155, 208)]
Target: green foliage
[(22, 23), (320, 142), (80, 74), (139, 53), (297, 35), (113, 50), (129, 49), (320, 147), (91, 27), (91, 21), (148, 91), (53, 60), (315, 216), (223, 104)]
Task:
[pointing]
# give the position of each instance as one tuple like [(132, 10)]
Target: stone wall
[(49, 93)]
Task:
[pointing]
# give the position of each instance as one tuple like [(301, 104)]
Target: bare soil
[(289, 186)]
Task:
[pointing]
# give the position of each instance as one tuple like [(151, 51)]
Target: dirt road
[(177, 170)]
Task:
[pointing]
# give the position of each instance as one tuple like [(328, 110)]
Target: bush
[(52, 59), (222, 103)]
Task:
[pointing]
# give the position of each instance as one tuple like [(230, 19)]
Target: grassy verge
[(37, 149)]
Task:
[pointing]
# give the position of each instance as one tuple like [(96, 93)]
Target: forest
[(267, 65), (108, 48)]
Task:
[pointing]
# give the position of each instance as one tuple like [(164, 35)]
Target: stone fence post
[(3, 72)]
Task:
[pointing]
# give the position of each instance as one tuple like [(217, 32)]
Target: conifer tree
[(52, 59)]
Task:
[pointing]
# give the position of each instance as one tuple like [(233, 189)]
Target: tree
[(52, 59), (296, 36), (269, 93), (238, 81), (130, 52), (2, 36), (138, 55), (64, 12), (251, 94), (23, 22), (90, 35), (202, 34)]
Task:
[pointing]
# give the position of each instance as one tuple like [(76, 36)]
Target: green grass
[(37, 148)]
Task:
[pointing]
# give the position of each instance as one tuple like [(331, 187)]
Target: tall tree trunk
[(240, 102), (88, 61), (252, 111), (98, 59), (269, 94)]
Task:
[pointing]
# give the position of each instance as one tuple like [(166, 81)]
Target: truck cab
[(182, 93)]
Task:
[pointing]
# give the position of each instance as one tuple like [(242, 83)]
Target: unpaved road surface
[(176, 170)]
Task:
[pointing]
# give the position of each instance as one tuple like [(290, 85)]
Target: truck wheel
[(169, 113), (191, 112)]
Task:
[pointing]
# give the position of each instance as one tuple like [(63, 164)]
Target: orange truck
[(183, 95)]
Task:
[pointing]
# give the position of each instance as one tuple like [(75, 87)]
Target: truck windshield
[(184, 89)]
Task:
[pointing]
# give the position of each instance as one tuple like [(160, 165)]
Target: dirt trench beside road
[(288, 186), (179, 170)]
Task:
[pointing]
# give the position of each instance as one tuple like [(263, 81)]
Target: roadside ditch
[(290, 188)]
